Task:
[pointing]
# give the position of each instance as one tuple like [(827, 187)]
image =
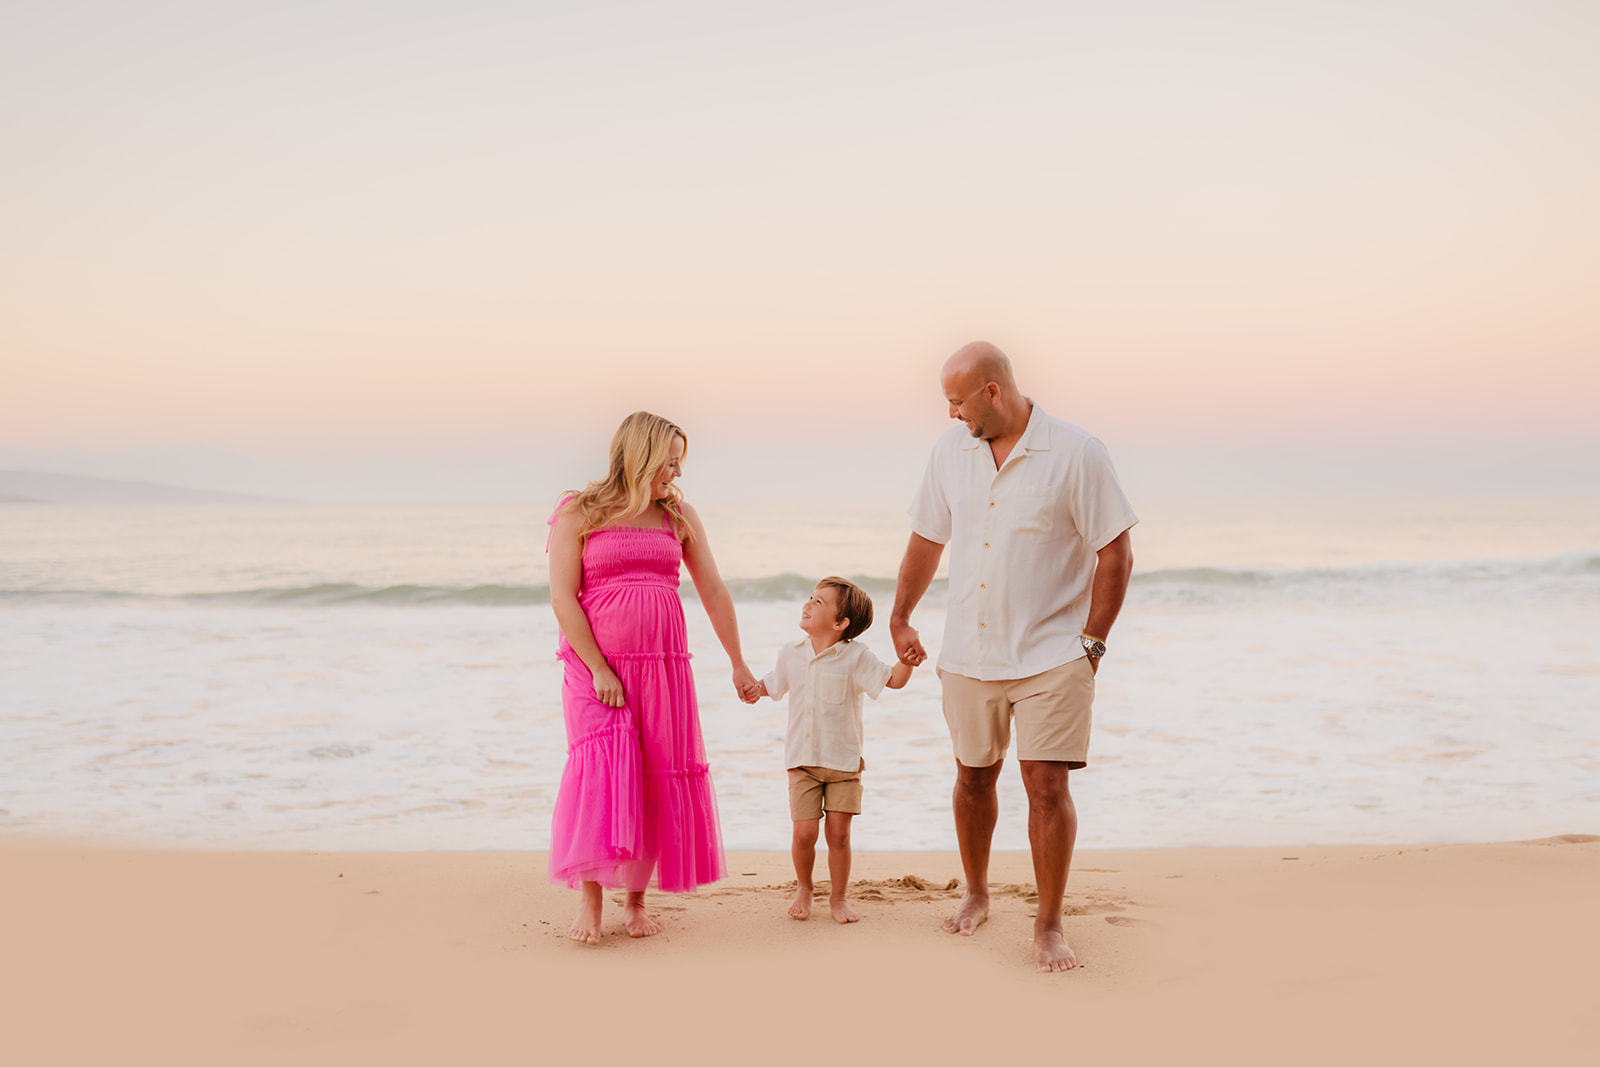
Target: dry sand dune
[(1454, 954)]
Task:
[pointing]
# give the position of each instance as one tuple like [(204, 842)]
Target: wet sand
[(1462, 954)]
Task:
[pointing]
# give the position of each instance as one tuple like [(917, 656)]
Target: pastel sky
[(363, 250)]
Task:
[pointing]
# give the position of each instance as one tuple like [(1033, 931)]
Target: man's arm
[(916, 574), (1111, 574)]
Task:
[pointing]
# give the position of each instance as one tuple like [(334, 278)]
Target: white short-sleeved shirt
[(1022, 543), (825, 701)]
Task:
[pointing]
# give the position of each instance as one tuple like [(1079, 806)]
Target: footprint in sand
[(1565, 839), (889, 890), (1093, 907), (911, 888), (1092, 904)]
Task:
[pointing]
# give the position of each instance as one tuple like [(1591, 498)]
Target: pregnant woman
[(636, 795)]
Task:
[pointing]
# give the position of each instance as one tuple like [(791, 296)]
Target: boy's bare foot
[(638, 921), (1050, 948), (969, 916), (843, 912), (586, 927), (801, 908)]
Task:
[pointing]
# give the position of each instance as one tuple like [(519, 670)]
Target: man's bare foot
[(801, 908), (1050, 948), (969, 916), (586, 927), (843, 912), (638, 921)]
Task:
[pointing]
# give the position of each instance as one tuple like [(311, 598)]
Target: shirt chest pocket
[(1032, 508), (832, 689)]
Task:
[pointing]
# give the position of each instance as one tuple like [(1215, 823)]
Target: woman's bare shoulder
[(568, 516), (692, 517)]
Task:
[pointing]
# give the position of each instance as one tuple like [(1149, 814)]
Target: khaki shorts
[(813, 790), (1051, 709)]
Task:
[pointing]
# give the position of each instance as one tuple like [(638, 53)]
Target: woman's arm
[(566, 574), (718, 602)]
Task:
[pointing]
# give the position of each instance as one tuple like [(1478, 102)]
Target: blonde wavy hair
[(641, 446)]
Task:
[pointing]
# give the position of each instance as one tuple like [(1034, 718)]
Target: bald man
[(1040, 556)]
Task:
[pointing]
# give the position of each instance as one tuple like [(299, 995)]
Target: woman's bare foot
[(636, 919), (1050, 948), (843, 912), (586, 927), (969, 916), (639, 922), (801, 907)]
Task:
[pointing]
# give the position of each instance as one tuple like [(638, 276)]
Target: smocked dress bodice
[(630, 555), (629, 593)]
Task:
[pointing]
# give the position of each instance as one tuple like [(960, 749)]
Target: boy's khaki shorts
[(1051, 709), (813, 790)]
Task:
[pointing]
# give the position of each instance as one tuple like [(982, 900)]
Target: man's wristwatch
[(1092, 645)]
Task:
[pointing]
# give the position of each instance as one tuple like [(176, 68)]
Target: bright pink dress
[(636, 793)]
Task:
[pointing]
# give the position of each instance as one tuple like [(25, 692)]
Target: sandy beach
[(1461, 954)]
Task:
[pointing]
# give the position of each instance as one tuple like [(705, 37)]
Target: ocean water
[(321, 677)]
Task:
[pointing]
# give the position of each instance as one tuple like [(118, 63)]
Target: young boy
[(824, 675)]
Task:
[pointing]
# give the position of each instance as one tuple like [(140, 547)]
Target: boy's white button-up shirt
[(1022, 542), (824, 691)]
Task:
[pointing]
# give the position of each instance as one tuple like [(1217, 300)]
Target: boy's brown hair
[(854, 605)]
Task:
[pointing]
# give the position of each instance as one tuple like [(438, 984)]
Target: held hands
[(907, 644), (749, 688)]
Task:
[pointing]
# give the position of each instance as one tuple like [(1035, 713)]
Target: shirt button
[(981, 626), (982, 586), (991, 503), (986, 544)]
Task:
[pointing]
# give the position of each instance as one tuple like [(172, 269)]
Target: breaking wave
[(1179, 583)]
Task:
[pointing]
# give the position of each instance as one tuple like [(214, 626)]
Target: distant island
[(37, 487)]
